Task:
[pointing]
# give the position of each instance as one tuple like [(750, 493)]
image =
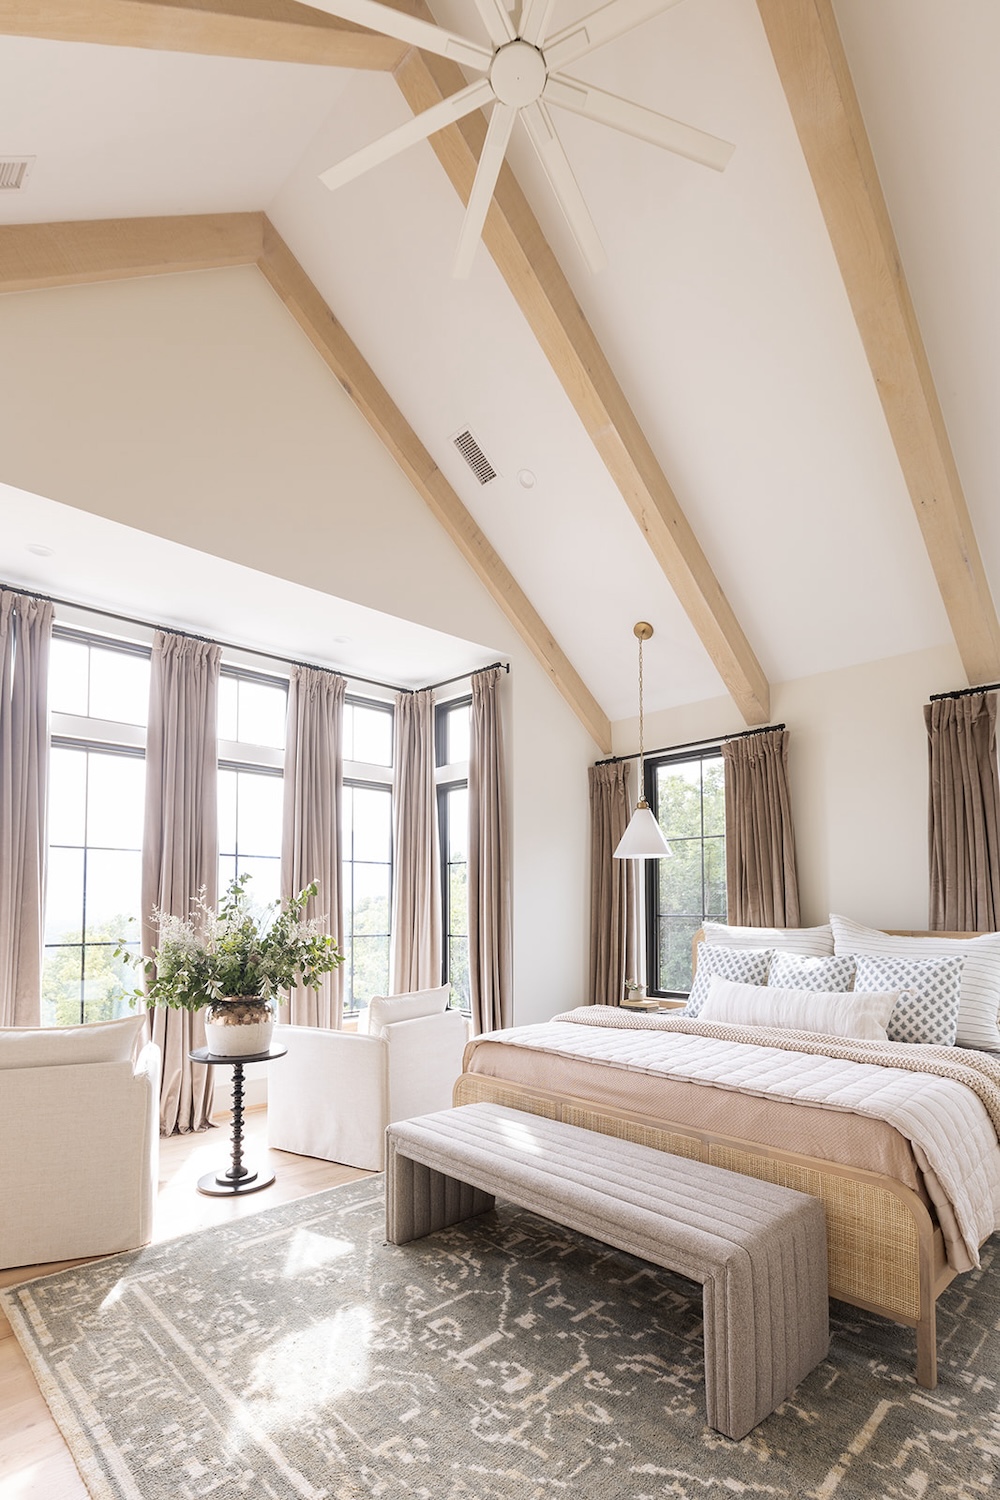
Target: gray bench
[(758, 1250)]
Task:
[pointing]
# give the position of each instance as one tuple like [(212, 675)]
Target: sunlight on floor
[(308, 1251), (309, 1367)]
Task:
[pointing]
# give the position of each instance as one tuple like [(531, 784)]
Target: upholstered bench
[(758, 1250)]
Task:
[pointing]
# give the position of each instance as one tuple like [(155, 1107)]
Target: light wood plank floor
[(35, 1463)]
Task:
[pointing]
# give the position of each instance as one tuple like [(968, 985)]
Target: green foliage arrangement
[(237, 950)]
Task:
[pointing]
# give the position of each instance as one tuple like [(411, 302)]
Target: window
[(98, 697), (367, 850), (453, 723), (687, 795), (252, 712)]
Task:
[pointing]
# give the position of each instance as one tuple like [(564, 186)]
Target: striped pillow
[(980, 993), (815, 942)]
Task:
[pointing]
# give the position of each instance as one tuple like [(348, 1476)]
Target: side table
[(239, 1178)]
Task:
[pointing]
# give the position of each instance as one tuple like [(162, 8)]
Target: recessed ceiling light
[(39, 549), (526, 479)]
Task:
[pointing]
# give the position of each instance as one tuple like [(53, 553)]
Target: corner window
[(687, 796), (452, 729)]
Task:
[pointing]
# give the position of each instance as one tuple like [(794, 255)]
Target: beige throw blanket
[(946, 1103)]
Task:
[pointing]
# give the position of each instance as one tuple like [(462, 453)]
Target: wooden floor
[(35, 1463)]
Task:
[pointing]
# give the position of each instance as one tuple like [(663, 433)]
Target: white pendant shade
[(643, 838)]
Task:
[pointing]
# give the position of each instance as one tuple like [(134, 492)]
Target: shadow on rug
[(294, 1354)]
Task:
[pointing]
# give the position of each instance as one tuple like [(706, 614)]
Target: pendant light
[(643, 838)]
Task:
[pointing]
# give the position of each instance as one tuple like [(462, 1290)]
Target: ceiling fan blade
[(534, 19), (602, 25), (418, 129), (409, 29), (490, 161), (496, 19), (555, 162), (634, 119)]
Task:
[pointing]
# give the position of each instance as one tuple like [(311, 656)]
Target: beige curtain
[(489, 866), (416, 875), (964, 813), (180, 846), (762, 885), (311, 829), (25, 634), (613, 906)]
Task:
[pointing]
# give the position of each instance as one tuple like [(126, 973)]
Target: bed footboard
[(885, 1252)]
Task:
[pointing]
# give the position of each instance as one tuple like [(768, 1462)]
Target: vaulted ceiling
[(766, 426)]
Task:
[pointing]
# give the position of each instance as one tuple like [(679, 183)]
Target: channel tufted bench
[(758, 1250)]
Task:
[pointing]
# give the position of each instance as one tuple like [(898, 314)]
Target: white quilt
[(954, 1141)]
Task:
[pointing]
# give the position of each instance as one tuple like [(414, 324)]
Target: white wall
[(192, 407), (858, 774)]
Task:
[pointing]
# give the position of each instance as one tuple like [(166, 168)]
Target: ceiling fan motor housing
[(518, 74)]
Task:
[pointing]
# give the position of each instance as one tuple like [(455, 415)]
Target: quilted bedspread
[(945, 1101)]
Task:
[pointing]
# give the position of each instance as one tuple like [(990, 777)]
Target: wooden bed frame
[(886, 1252)]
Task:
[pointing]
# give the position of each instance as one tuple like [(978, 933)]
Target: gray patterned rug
[(294, 1354)]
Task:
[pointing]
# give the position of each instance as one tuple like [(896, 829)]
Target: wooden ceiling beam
[(272, 30), (527, 263), (814, 73), (356, 376), (46, 255)]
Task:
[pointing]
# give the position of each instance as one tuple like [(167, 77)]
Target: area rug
[(294, 1354)]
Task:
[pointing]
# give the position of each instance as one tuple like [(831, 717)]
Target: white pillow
[(747, 965), (794, 971), (929, 989), (63, 1046), (980, 995), (384, 1010), (839, 1013), (815, 941)]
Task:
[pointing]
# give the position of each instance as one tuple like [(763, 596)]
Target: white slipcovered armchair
[(79, 1141), (336, 1091)]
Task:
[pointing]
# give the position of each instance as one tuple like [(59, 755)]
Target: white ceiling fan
[(524, 76)]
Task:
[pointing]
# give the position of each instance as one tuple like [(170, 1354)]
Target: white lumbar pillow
[(834, 1013)]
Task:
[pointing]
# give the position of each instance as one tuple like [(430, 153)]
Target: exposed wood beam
[(527, 263), (49, 255), (41, 255), (813, 69), (274, 30), (343, 358)]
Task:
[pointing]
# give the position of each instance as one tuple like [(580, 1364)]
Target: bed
[(893, 1247)]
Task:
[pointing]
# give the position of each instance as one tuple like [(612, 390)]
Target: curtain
[(613, 906), (25, 634), (180, 846), (489, 865), (964, 813), (416, 875), (762, 885), (311, 827)]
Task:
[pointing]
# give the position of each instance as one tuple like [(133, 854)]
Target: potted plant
[(234, 962)]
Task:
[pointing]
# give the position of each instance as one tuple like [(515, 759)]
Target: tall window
[(687, 795), (252, 710), (367, 850), (98, 697), (452, 730)]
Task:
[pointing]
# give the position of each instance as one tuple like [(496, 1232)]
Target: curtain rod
[(286, 661), (721, 739), (988, 687)]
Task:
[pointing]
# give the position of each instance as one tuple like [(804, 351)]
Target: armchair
[(79, 1141), (336, 1091)]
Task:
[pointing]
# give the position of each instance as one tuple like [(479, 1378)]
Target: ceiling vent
[(474, 457), (13, 171)]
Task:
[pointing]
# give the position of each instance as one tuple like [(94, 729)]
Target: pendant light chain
[(642, 786)]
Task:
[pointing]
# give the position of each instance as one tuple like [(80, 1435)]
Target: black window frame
[(441, 712), (651, 874)]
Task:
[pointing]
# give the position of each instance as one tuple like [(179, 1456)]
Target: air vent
[(13, 171), (474, 457)]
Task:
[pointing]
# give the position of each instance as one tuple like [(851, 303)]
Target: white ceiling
[(721, 311)]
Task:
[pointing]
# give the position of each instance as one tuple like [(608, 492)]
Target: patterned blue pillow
[(929, 993), (793, 971), (744, 965)]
